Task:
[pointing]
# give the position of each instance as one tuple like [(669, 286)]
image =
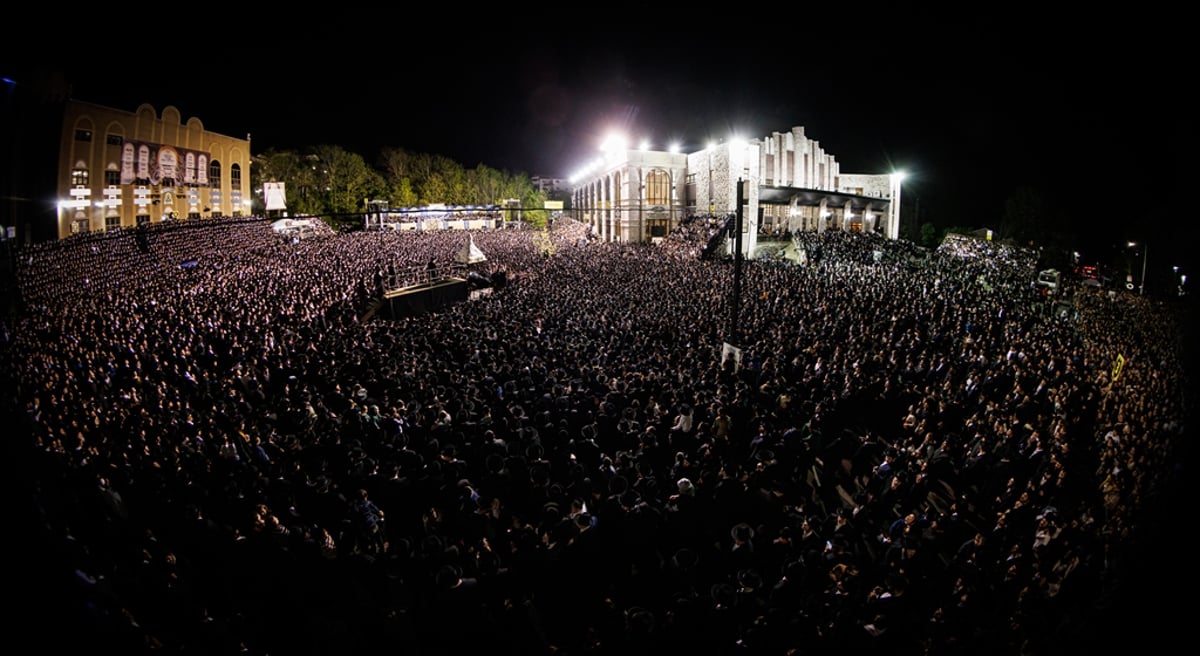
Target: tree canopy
[(335, 184)]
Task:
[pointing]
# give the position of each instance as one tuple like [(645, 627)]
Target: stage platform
[(418, 299)]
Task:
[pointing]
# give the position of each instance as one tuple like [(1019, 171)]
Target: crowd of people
[(220, 454), (694, 236)]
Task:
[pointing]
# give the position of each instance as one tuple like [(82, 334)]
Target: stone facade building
[(120, 169), (791, 184)]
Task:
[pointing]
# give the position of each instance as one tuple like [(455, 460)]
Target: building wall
[(608, 197), (717, 170), (550, 185), (878, 186), (612, 198), (101, 202), (791, 159), (883, 214)]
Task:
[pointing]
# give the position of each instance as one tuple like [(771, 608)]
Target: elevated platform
[(414, 300)]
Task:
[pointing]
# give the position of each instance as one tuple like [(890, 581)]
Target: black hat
[(742, 532), (723, 594), (749, 578)]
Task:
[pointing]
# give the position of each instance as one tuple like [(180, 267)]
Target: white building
[(550, 185), (791, 184)]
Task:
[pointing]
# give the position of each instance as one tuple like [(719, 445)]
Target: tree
[(929, 235), (487, 184), (441, 181), (346, 179), (403, 194), (399, 168), (534, 199), (333, 183), (296, 172), (1026, 218)]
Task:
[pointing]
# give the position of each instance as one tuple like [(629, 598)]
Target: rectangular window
[(112, 222), (79, 177), (83, 135), (691, 178), (115, 140), (112, 178)]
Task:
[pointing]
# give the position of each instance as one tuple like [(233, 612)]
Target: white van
[(1049, 278)]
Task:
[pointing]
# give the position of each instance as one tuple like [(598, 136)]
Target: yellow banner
[(1118, 365)]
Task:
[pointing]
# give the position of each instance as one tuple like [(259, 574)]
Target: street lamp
[(893, 217), (1145, 256)]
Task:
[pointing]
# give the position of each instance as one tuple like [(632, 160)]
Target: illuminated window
[(658, 188), (79, 177), (214, 174), (83, 135)]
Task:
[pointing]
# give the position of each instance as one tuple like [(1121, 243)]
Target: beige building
[(119, 169), (790, 184)]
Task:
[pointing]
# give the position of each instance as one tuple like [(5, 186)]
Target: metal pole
[(1145, 256), (737, 268)]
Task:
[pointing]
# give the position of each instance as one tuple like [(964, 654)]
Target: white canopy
[(470, 253), (292, 225)]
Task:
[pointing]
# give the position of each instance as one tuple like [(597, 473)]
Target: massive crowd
[(219, 453)]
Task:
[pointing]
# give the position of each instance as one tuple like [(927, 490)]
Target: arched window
[(235, 188), (214, 174), (658, 188), (189, 168)]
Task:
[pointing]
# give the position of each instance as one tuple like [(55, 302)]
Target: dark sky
[(1093, 119)]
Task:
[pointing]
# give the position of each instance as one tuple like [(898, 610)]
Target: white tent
[(292, 225), (470, 253)]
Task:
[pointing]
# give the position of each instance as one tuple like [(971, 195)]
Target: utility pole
[(1145, 256), (737, 268)]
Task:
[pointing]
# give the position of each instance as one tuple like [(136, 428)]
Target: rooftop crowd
[(220, 455)]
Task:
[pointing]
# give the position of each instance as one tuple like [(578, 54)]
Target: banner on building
[(150, 163)]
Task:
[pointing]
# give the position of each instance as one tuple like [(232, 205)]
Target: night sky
[(971, 110)]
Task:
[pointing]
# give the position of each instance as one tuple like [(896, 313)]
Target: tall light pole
[(1145, 257), (893, 215)]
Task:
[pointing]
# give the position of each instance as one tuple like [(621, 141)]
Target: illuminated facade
[(634, 195), (792, 185), (119, 169)]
